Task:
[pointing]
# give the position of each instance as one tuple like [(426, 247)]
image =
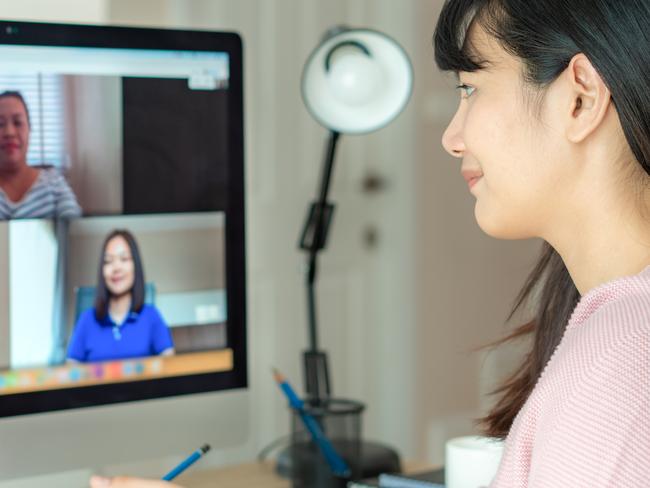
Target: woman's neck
[(119, 307), (608, 240), (17, 181)]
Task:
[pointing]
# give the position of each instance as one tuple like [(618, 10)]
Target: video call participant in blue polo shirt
[(120, 325)]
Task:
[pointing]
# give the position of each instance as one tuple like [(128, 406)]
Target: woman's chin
[(501, 228), (11, 164), (117, 293)]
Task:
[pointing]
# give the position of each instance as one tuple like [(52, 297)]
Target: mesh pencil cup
[(340, 421)]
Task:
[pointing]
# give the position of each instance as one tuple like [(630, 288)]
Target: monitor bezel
[(104, 36)]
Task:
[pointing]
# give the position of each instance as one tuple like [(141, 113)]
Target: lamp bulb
[(354, 78)]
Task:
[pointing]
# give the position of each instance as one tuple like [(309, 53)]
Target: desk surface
[(253, 475)]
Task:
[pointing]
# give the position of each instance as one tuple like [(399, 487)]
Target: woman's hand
[(126, 482)]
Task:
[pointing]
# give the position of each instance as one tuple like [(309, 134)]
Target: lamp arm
[(314, 237), (315, 234), (328, 166)]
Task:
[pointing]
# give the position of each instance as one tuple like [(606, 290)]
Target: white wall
[(5, 334), (32, 272), (81, 11)]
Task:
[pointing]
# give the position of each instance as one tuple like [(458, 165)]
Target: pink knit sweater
[(587, 422)]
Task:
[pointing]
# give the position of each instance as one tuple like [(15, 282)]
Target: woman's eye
[(466, 90)]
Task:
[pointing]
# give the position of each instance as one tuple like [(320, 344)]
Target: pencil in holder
[(340, 422)]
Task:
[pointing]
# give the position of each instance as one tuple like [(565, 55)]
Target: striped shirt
[(49, 197), (587, 422)]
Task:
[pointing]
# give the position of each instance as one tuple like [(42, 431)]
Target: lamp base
[(376, 459)]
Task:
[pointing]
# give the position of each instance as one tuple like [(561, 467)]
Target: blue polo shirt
[(142, 334)]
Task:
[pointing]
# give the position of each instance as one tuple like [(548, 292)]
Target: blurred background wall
[(409, 285)]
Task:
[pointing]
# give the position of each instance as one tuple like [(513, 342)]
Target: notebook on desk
[(427, 479)]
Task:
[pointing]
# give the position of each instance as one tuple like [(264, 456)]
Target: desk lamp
[(355, 82)]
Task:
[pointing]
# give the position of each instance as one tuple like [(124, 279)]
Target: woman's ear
[(590, 98)]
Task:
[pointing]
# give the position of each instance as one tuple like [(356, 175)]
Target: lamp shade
[(357, 81)]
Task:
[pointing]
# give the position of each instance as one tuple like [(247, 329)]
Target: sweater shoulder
[(619, 330), (629, 314)]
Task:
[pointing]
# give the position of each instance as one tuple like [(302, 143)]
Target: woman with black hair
[(553, 129), (120, 325)]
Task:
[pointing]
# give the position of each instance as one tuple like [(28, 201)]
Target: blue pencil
[(195, 456), (336, 463)]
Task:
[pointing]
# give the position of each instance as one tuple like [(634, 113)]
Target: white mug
[(471, 461)]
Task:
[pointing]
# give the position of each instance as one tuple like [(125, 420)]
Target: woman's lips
[(471, 176), (472, 181), (9, 147)]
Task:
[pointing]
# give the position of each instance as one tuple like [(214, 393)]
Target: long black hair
[(545, 35), (103, 295)]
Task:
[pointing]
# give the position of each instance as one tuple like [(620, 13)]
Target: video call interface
[(113, 201)]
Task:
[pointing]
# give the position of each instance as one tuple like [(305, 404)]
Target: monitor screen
[(121, 215)]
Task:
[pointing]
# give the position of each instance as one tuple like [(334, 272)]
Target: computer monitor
[(122, 252)]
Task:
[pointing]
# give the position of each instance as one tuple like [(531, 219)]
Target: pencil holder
[(340, 422)]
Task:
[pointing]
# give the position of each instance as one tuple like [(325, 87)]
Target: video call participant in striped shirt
[(25, 191)]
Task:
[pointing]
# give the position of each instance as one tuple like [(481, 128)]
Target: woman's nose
[(8, 130), (452, 139)]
